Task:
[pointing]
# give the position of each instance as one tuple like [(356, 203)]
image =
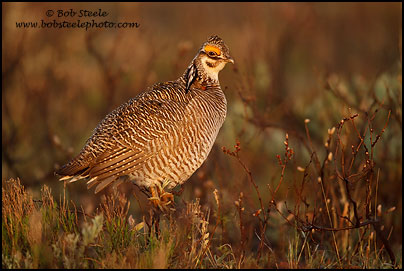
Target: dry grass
[(43, 234)]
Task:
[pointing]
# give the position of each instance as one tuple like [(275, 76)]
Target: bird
[(159, 138)]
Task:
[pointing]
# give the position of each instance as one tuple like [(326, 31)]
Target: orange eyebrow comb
[(209, 48)]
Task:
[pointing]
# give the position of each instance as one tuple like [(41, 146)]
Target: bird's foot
[(161, 199)]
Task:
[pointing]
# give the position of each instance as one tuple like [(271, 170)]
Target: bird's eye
[(212, 53)]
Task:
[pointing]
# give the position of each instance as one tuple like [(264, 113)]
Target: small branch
[(320, 228), (263, 222)]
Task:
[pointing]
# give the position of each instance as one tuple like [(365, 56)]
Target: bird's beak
[(231, 60)]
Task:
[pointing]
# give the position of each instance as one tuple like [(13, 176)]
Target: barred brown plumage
[(162, 135)]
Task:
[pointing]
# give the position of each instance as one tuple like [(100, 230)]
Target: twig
[(263, 223)]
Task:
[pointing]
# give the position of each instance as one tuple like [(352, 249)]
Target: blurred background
[(293, 61)]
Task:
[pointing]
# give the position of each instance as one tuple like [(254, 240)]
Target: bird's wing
[(126, 138)]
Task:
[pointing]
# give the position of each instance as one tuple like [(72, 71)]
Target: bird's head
[(214, 55), (209, 61)]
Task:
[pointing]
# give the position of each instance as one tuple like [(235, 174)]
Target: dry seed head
[(216, 193), (300, 169), (319, 179), (330, 156), (257, 213), (306, 121), (331, 131)]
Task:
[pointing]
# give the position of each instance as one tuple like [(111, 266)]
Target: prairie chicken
[(159, 138)]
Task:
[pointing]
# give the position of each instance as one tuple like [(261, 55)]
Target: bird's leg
[(154, 222), (161, 200)]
